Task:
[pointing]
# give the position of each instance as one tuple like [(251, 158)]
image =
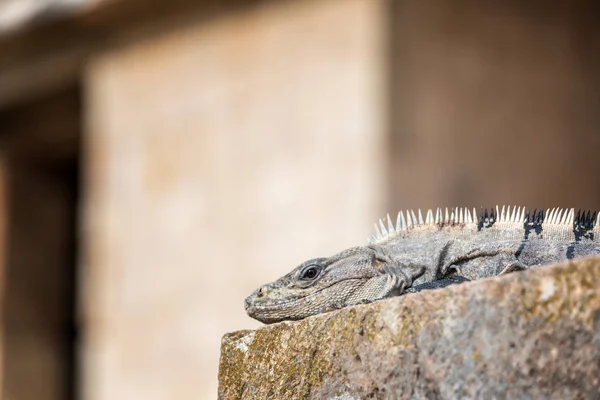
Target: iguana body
[(417, 254)]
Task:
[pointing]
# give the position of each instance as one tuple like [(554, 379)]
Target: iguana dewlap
[(416, 253)]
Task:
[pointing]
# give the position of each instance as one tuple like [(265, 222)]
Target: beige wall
[(218, 157)]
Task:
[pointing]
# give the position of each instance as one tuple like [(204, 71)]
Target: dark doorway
[(39, 143)]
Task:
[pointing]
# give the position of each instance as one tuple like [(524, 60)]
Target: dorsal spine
[(583, 224)]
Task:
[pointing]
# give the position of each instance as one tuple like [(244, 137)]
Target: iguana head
[(322, 284)]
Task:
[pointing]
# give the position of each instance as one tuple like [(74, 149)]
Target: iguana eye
[(311, 272)]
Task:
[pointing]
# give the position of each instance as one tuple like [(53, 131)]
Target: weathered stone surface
[(526, 335)]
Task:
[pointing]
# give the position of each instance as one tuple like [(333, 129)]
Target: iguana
[(416, 254)]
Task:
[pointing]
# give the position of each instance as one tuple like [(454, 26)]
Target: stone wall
[(534, 334)]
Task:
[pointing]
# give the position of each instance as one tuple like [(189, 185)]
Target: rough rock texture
[(534, 334)]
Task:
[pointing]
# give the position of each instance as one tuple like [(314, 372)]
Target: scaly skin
[(416, 255)]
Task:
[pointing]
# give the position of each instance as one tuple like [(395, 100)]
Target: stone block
[(534, 334)]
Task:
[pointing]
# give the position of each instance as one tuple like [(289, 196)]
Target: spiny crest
[(518, 215), (505, 217), (386, 229)]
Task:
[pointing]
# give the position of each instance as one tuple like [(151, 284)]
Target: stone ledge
[(532, 334)]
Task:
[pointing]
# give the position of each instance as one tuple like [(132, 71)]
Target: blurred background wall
[(160, 160)]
